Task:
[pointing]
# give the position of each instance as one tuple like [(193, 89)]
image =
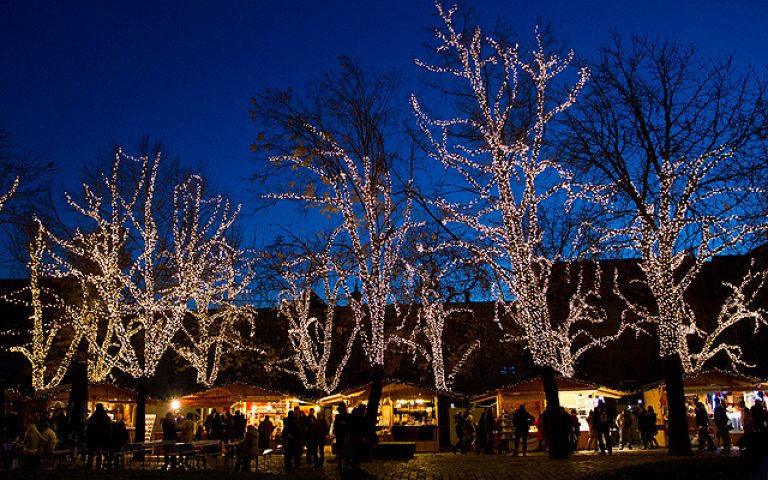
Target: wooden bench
[(394, 450)]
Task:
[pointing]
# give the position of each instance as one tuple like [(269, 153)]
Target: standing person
[(48, 438), (187, 429), (592, 440), (458, 425), (118, 438), (650, 419), (239, 423), (301, 434), (575, 431), (723, 427), (480, 434), (309, 438), (642, 426), (758, 416), (289, 437), (97, 431), (624, 422), (265, 433), (469, 431), (603, 428), (341, 434), (522, 420), (746, 418), (490, 429), (168, 424), (213, 425), (702, 424), (319, 437), (541, 432)]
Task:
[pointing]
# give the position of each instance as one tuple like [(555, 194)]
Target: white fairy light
[(509, 181), (373, 225)]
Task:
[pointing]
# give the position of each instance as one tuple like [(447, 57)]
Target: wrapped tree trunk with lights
[(497, 152), (673, 141)]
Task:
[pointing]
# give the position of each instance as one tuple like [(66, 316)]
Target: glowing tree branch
[(312, 338), (48, 359), (374, 226), (509, 180), (211, 278)]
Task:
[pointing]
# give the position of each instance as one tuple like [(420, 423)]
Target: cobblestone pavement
[(447, 466)]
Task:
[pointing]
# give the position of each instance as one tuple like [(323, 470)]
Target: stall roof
[(714, 381), (97, 392), (232, 393), (535, 386), (390, 388)]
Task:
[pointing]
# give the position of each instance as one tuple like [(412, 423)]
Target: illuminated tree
[(334, 150), (140, 289), (671, 139), (312, 336), (211, 279), (507, 179)]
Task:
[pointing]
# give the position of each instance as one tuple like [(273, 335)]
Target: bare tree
[(336, 146), (668, 137), (497, 151)]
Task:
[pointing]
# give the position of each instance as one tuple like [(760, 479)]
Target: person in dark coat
[(319, 435), (247, 450), (458, 421), (702, 424), (309, 420), (265, 433), (490, 429), (118, 438), (522, 421), (723, 430), (603, 423), (289, 437), (170, 438), (97, 432), (239, 422), (341, 426)]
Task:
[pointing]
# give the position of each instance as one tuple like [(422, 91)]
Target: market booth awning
[(97, 393), (534, 388), (230, 394)]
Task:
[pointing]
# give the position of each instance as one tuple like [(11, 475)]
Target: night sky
[(78, 76)]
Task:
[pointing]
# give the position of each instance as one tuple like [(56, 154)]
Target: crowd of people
[(509, 433), (305, 433)]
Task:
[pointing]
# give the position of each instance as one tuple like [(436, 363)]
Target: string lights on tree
[(312, 337), (509, 179), (212, 276), (498, 152)]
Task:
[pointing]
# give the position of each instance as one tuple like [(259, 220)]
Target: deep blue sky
[(77, 76)]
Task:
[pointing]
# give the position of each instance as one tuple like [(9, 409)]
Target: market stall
[(407, 412), (709, 387), (119, 402), (578, 395), (254, 402)]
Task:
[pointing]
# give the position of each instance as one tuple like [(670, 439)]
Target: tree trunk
[(374, 399), (77, 408), (555, 429), (678, 440), (141, 410)]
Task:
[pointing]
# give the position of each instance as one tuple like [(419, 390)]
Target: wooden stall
[(253, 401), (708, 387), (407, 413), (578, 395)]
